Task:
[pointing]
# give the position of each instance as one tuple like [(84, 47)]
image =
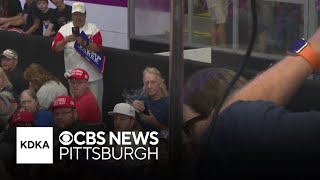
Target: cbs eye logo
[(65, 138)]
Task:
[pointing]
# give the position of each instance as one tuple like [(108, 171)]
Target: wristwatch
[(302, 48)]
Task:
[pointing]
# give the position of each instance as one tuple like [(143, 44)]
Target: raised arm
[(60, 42), (281, 81)]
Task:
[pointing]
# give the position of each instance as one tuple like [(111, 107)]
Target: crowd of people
[(47, 103), (34, 97), (35, 17)]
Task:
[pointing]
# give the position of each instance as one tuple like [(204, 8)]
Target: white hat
[(10, 54), (78, 7), (123, 108)]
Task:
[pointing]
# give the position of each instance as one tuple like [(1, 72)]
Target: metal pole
[(235, 26), (176, 76), (190, 21)]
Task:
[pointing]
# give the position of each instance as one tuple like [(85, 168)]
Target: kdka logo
[(34, 145)]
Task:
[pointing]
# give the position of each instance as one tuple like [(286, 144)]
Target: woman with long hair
[(45, 84)]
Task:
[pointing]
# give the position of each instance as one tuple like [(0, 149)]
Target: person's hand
[(5, 26), (67, 74), (149, 119), (47, 33), (3, 20), (81, 41), (138, 105), (70, 38)]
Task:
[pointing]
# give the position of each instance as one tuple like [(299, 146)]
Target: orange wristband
[(311, 57)]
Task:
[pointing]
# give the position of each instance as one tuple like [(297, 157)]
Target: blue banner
[(97, 59)]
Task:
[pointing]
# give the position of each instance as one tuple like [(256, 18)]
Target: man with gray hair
[(153, 107)]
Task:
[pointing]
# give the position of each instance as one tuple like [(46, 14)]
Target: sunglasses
[(188, 125)]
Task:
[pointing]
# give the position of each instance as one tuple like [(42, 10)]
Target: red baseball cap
[(79, 74), (22, 116), (63, 102)]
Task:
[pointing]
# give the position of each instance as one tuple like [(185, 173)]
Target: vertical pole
[(190, 21), (176, 76), (131, 21)]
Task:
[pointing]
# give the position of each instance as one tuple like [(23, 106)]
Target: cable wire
[(211, 126)]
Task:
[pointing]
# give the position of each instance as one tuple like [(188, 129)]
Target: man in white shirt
[(65, 40)]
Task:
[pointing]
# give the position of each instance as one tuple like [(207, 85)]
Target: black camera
[(76, 31)]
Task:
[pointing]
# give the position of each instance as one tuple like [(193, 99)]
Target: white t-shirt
[(72, 59)]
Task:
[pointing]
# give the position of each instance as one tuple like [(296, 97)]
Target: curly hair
[(38, 76)]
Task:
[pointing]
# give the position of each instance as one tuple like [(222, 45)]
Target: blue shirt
[(261, 139), (44, 118), (160, 110)]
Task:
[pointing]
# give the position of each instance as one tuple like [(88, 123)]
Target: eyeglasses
[(188, 125), (57, 114)]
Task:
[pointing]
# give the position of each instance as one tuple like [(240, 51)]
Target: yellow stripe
[(202, 14)]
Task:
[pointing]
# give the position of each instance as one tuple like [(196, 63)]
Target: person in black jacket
[(9, 63)]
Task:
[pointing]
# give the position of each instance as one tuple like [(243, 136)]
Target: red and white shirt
[(72, 59)]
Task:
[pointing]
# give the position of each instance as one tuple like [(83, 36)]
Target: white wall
[(112, 21), (200, 54)]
